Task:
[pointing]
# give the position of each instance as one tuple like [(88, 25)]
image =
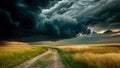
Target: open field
[(90, 56), (14, 53), (72, 56)]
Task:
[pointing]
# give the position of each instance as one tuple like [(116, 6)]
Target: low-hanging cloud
[(18, 15), (64, 19), (62, 26)]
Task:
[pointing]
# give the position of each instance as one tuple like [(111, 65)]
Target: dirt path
[(58, 63), (28, 63), (49, 59)]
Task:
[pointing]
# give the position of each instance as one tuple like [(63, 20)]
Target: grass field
[(72, 56), (14, 53), (90, 56)]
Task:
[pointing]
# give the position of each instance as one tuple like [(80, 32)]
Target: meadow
[(14, 53), (72, 56), (90, 56)]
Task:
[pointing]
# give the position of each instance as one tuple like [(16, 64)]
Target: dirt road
[(49, 59)]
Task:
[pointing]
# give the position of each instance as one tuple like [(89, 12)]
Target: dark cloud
[(64, 26), (57, 18), (19, 15), (6, 26), (103, 17), (98, 39), (114, 25), (107, 37), (108, 32), (26, 17), (96, 0)]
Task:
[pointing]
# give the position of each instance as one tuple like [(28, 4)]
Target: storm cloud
[(57, 18), (19, 16)]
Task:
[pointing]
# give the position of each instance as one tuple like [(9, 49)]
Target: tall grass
[(100, 50), (69, 62), (11, 56), (109, 60), (91, 56)]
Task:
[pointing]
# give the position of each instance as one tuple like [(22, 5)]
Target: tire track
[(58, 63), (55, 63), (31, 62)]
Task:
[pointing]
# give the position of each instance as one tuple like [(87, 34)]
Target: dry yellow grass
[(109, 60), (91, 49), (14, 53), (99, 55), (11, 46)]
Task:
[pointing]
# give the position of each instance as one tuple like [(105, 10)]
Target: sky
[(60, 21)]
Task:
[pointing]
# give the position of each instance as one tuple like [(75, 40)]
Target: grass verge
[(69, 62), (11, 56), (90, 56), (44, 61)]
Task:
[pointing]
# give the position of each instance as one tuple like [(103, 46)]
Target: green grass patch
[(44, 61), (69, 62), (11, 58)]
